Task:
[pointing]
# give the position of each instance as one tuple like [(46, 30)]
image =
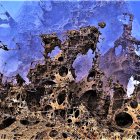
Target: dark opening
[(24, 122), (53, 77), (138, 134), (117, 104), (12, 109), (64, 135), (134, 104), (60, 59), (70, 111), (62, 113), (75, 101), (63, 71), (60, 98), (119, 93), (73, 72), (47, 108), (29, 122), (48, 82), (78, 124), (70, 97), (49, 124), (46, 41), (107, 105), (90, 99), (49, 91), (53, 133), (137, 64), (33, 97), (77, 113), (18, 96), (123, 119), (69, 120), (7, 122)]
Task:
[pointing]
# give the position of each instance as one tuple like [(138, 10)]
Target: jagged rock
[(55, 106)]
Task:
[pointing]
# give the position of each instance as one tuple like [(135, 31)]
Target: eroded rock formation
[(54, 106), (121, 67)]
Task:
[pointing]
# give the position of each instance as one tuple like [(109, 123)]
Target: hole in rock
[(47, 108), (134, 104), (123, 119), (7, 122), (70, 111), (61, 97), (53, 133), (29, 122), (33, 96), (78, 124), (90, 99), (24, 122), (64, 135), (49, 124), (60, 59), (63, 71), (69, 120), (48, 82), (77, 113), (138, 134)]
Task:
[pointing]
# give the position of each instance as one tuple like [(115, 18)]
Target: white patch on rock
[(131, 86)]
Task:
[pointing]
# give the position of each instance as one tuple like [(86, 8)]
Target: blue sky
[(12, 7)]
